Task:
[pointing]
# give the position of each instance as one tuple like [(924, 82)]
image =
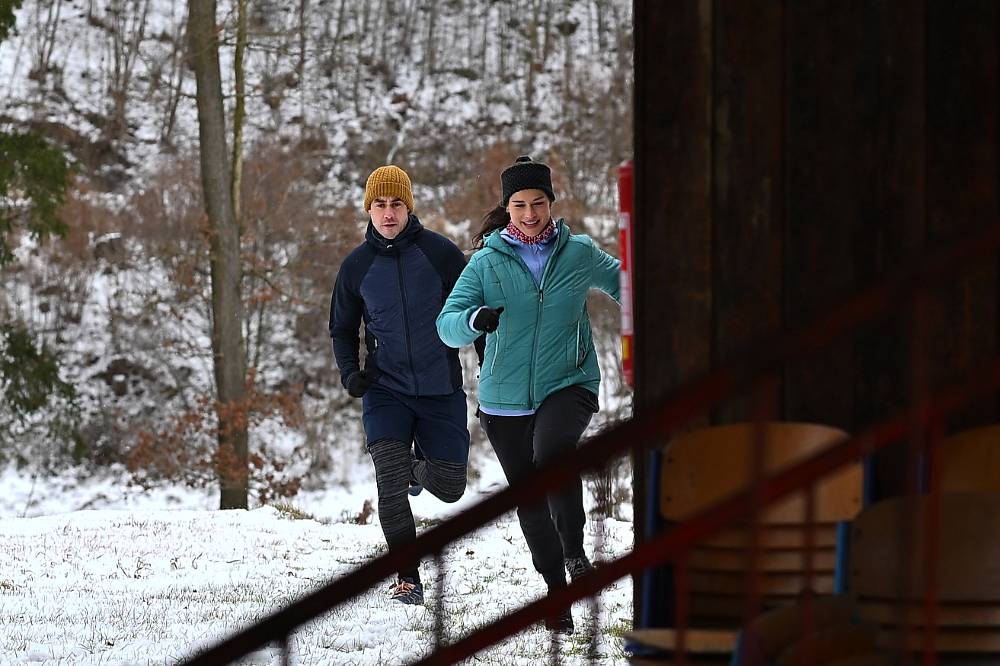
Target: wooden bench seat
[(788, 550), (890, 572)]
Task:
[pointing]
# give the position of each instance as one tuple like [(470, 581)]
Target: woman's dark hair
[(498, 218)]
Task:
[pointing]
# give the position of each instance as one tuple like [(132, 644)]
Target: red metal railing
[(674, 543), (649, 429)]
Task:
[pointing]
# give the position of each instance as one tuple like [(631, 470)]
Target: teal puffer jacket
[(543, 343)]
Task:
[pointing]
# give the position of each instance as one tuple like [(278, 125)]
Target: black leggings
[(553, 529), (394, 467)]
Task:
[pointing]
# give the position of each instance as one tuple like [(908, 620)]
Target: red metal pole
[(626, 222)]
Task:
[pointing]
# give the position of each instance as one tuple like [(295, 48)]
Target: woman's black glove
[(359, 382), (487, 319)]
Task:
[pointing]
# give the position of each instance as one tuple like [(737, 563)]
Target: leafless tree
[(239, 110), (224, 239), (172, 82), (126, 23), (47, 28)]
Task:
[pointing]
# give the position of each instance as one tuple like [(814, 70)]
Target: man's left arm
[(454, 264), (479, 344), (451, 264)]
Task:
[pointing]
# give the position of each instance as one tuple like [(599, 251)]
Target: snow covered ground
[(129, 581)]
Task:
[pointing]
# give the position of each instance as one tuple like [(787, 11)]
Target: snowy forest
[(106, 361)]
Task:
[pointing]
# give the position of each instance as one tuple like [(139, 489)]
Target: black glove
[(487, 319), (359, 382)]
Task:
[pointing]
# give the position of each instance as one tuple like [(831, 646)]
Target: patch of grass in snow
[(618, 630), (425, 522), (292, 512), (7, 586), (615, 633)]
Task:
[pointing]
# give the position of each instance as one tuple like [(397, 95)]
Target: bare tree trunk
[(239, 109), (547, 44), (430, 44), (224, 236), (300, 66), (410, 10), (128, 29), (531, 62), (502, 43), (44, 47), (602, 42), (485, 38), (174, 86)]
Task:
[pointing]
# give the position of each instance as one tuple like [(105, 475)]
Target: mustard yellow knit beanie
[(388, 181)]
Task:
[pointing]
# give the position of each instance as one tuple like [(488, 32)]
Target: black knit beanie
[(525, 174)]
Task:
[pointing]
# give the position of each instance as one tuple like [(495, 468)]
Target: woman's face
[(530, 211)]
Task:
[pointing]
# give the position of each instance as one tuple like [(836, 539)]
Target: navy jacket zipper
[(406, 321)]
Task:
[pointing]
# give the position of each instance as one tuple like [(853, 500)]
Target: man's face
[(389, 216)]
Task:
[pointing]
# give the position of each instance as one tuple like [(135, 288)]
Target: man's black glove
[(487, 319), (359, 382)]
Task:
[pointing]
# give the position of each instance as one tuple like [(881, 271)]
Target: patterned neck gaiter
[(545, 234)]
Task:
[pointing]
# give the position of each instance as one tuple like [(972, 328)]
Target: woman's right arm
[(465, 298)]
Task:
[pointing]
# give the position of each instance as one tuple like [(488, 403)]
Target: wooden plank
[(706, 641), (688, 660), (970, 461), (888, 554), (962, 641), (732, 560), (735, 584), (775, 537), (774, 631), (829, 643), (962, 177), (729, 610), (915, 614), (748, 196), (692, 478), (868, 659)]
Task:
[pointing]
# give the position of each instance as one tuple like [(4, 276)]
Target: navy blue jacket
[(397, 287)]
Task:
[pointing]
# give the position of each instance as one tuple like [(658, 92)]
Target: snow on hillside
[(424, 83)]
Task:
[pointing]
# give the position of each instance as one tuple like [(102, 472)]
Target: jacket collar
[(405, 238), (494, 240)]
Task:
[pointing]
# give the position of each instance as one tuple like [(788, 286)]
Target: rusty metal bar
[(678, 406), (674, 542), (809, 542), (594, 605), (763, 410), (919, 455), (682, 594), (441, 576), (932, 541)]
